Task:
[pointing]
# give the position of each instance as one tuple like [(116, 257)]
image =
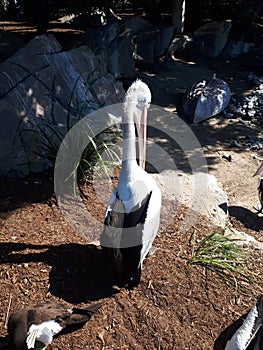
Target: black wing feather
[(124, 229), (260, 191)]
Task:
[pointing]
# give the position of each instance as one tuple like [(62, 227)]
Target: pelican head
[(136, 104)]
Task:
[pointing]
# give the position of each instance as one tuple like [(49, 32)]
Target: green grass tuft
[(223, 256)]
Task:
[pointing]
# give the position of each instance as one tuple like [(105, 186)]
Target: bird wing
[(152, 221), (122, 238), (113, 223), (31, 338), (260, 190), (42, 332), (130, 225), (244, 335), (80, 316), (124, 229)]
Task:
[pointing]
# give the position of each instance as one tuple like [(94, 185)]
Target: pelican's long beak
[(259, 171), (141, 125)]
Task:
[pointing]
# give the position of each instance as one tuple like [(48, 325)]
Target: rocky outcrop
[(9, 44), (127, 41), (199, 192), (207, 41), (211, 38), (40, 87)]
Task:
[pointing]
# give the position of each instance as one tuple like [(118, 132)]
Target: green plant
[(100, 153), (223, 256)]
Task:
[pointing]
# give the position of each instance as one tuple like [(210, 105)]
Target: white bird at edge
[(246, 333), (260, 187), (132, 216)]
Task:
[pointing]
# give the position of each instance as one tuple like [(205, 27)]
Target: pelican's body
[(246, 333), (132, 216)]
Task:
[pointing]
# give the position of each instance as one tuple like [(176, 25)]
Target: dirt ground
[(177, 305)]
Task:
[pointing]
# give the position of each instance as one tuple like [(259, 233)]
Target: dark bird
[(260, 187), (132, 216), (34, 328), (246, 333)]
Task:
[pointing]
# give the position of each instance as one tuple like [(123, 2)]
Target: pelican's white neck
[(129, 141)]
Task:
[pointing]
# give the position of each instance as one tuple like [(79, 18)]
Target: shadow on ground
[(4, 343), (248, 218), (77, 273)]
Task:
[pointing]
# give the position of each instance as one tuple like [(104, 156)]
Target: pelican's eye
[(143, 103)]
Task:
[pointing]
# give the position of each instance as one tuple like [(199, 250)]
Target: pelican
[(132, 216), (260, 187), (246, 333), (35, 327)]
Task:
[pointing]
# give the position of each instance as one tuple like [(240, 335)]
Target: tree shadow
[(78, 272), (4, 343), (18, 192), (246, 217)]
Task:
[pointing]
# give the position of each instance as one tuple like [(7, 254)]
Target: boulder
[(114, 45), (40, 86), (199, 192), (205, 99), (120, 57), (144, 46), (207, 41), (135, 25), (243, 239), (210, 39), (163, 40), (9, 44), (151, 45), (123, 41), (234, 48)]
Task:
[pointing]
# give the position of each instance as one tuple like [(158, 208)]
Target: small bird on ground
[(246, 333), (260, 187), (35, 328)]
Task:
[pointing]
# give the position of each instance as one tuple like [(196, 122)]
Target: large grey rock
[(137, 25), (199, 192), (205, 99), (207, 41), (211, 38), (243, 239), (37, 86), (149, 42), (163, 40), (144, 46), (9, 44), (120, 57), (114, 44), (123, 41), (234, 48)]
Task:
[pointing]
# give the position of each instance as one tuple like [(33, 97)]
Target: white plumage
[(243, 336), (132, 216), (43, 333), (246, 333)]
